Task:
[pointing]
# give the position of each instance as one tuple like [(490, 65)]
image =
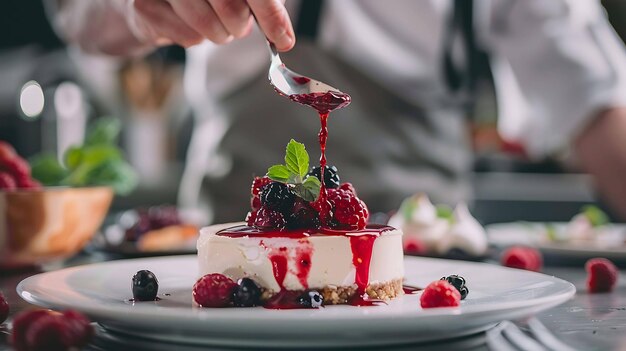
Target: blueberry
[(459, 283), (247, 293), (311, 299), (331, 176), (277, 197), (145, 286)]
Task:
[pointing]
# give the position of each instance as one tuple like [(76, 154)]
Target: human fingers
[(274, 22), (200, 16), (163, 23)]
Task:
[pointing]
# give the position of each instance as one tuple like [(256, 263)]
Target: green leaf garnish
[(294, 172), (279, 173), (297, 159), (596, 216)]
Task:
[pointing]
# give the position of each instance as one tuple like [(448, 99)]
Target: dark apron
[(388, 146)]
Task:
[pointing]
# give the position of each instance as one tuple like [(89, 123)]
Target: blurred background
[(49, 92)]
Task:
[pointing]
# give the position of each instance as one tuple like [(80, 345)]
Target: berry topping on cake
[(348, 210), (601, 275), (7, 182), (277, 197), (214, 290), (523, 258), (440, 294), (331, 176), (303, 216), (4, 308), (145, 286), (247, 293), (258, 183), (311, 299), (268, 219), (459, 283)]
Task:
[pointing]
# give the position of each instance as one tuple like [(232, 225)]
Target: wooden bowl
[(39, 226)]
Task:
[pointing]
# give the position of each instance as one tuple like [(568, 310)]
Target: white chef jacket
[(556, 63)]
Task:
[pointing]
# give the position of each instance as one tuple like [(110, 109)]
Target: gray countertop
[(587, 322)]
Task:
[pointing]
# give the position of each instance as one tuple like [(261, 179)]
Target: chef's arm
[(601, 148), (127, 27)]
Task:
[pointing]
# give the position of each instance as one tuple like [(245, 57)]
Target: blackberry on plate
[(311, 299), (277, 197), (331, 176), (459, 283), (247, 293), (145, 286)]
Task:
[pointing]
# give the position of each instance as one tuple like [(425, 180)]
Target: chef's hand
[(188, 22)]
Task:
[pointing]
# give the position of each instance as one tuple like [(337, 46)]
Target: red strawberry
[(601, 275), (214, 290), (522, 258), (7, 182), (440, 293)]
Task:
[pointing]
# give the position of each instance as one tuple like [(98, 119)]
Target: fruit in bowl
[(42, 223)]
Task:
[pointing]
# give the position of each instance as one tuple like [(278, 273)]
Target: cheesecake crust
[(340, 295)]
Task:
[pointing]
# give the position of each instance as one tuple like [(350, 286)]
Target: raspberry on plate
[(49, 332), (601, 275), (21, 324), (214, 290), (523, 258), (348, 210), (440, 293)]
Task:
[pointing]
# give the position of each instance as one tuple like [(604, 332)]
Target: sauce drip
[(410, 290)]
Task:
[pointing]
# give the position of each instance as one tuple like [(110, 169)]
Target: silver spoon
[(303, 89)]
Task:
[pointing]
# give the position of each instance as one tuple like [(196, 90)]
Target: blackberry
[(459, 284), (145, 286), (311, 299), (303, 216), (276, 196), (331, 176), (247, 293)]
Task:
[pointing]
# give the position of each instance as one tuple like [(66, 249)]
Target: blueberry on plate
[(247, 293), (311, 299), (145, 286)]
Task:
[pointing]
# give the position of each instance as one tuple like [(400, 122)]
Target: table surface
[(587, 322)]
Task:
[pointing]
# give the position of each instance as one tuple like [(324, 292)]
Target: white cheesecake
[(339, 264)]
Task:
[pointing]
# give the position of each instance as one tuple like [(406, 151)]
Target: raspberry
[(258, 183), (348, 210), (440, 294), (414, 246), (15, 166), (7, 182), (522, 258), (24, 181), (331, 177), (268, 219), (601, 275), (6, 150), (49, 332), (277, 197), (21, 324), (255, 203), (79, 327), (251, 217), (349, 187), (214, 290), (4, 308)]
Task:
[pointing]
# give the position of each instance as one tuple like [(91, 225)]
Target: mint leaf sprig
[(294, 173)]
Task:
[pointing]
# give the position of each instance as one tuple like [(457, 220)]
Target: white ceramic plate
[(533, 234), (102, 291)]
